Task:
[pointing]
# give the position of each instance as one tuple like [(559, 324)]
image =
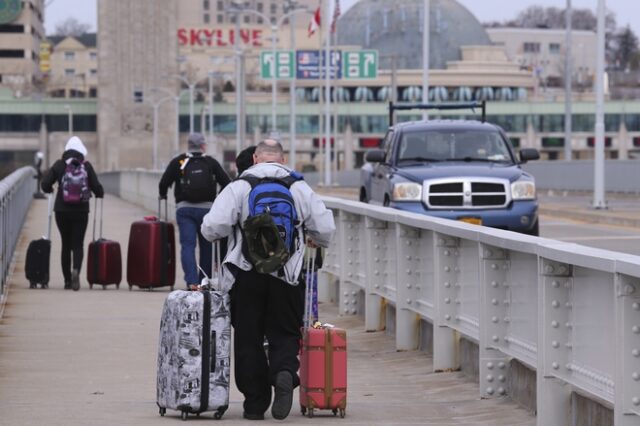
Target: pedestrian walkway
[(89, 357)]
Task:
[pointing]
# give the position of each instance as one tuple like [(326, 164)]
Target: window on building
[(69, 72), (220, 5), (69, 56), (274, 8), (93, 56), (93, 72), (233, 19), (273, 20), (207, 19), (247, 19), (259, 20), (205, 4), (138, 96), (11, 53), (259, 7), (530, 47), (11, 28), (554, 48), (220, 19)]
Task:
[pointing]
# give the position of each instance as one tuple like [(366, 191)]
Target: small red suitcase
[(323, 371), (104, 260), (323, 361), (151, 256)]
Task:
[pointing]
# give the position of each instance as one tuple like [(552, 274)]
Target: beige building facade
[(74, 67), (21, 32)]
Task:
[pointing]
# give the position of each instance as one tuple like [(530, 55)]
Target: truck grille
[(467, 193)]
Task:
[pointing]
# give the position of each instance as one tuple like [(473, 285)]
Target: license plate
[(472, 220)]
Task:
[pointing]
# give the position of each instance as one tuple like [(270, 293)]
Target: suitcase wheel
[(184, 415), (44, 285), (130, 287), (342, 413), (104, 287), (162, 411), (335, 411), (310, 413), (118, 286), (171, 288), (303, 410), (218, 414), (33, 284), (90, 286)]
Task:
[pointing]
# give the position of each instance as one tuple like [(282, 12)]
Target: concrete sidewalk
[(89, 357)]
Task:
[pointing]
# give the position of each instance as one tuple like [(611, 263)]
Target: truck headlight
[(407, 191), (523, 190)]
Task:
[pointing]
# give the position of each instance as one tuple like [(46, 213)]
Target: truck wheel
[(363, 195), (386, 201), (535, 230)]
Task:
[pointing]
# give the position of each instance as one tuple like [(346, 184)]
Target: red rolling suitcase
[(323, 362), (151, 256), (104, 260), (36, 266)]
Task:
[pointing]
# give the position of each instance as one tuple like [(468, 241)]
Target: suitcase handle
[(166, 209), (95, 214), (308, 291), (49, 214)]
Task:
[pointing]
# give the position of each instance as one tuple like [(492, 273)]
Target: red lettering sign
[(218, 37)]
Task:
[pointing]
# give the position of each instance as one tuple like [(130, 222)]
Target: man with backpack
[(268, 214), (76, 180), (195, 177)]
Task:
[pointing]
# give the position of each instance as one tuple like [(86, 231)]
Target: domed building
[(395, 28)]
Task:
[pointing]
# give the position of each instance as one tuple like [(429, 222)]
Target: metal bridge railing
[(569, 312), (16, 193)]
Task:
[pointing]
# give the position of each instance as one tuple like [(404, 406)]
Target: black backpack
[(197, 180)]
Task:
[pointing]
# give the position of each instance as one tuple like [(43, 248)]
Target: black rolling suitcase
[(39, 255)]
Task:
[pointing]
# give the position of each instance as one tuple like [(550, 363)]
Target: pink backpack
[(75, 182)]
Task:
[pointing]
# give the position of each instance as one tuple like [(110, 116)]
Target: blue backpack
[(269, 232)]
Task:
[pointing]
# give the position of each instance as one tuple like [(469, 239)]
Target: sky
[(485, 10)]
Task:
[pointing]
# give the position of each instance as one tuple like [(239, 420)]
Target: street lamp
[(191, 85), (156, 106), (70, 118), (176, 99)]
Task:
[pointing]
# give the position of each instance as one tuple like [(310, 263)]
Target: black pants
[(72, 227), (262, 305)]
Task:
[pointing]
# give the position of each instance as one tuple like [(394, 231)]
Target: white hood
[(76, 144)]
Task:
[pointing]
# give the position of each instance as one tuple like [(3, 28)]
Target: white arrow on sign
[(369, 59)]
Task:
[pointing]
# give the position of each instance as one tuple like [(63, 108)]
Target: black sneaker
[(75, 280), (67, 285), (283, 398), (253, 416)]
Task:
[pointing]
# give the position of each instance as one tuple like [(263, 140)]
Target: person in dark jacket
[(71, 218), (192, 206), (244, 160)]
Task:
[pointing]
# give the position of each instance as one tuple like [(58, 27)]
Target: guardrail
[(16, 193), (569, 312)]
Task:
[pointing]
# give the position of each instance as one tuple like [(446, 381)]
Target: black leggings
[(72, 226)]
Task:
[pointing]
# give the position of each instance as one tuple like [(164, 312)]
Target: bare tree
[(71, 27), (625, 49)]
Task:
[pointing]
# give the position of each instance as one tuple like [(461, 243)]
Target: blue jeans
[(189, 220)]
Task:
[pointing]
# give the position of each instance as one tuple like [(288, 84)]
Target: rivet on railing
[(635, 376), (548, 269), (635, 400), (376, 233), (376, 260), (409, 257), (555, 365), (555, 344), (554, 324), (346, 293), (494, 266), (568, 366), (494, 301), (489, 378), (568, 324), (346, 310), (457, 301), (567, 284), (447, 269), (555, 304), (376, 286), (495, 320), (456, 269), (489, 365), (353, 311), (494, 284), (568, 345), (350, 274), (456, 252), (635, 329), (501, 391), (446, 253), (408, 285), (447, 284), (506, 302), (409, 271), (501, 365), (350, 238), (636, 306), (409, 301), (501, 378), (447, 317), (350, 262), (447, 300), (568, 305), (409, 243), (417, 287), (490, 391), (507, 320), (495, 338), (376, 246), (353, 292), (350, 250), (376, 272), (635, 353)]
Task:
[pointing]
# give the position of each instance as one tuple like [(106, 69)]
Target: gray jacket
[(230, 210)]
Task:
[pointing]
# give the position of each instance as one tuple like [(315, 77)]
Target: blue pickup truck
[(456, 169)]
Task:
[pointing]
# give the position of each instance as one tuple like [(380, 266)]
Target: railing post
[(494, 316), (554, 329), (446, 292), (374, 274), (627, 374), (349, 260), (407, 319)]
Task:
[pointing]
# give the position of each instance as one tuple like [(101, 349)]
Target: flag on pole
[(336, 14), (315, 23)]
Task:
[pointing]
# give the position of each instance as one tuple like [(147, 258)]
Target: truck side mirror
[(375, 156), (528, 154)]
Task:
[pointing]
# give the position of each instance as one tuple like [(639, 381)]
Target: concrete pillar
[(623, 142), (348, 147)]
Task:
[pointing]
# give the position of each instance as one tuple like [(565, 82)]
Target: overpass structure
[(552, 326)]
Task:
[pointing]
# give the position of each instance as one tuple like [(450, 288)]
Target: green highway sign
[(10, 10), (360, 64), (284, 64)]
